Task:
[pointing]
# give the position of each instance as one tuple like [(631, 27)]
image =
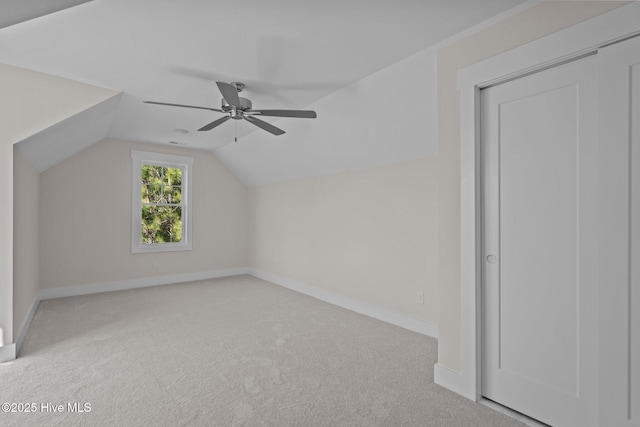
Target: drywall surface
[(26, 238), (33, 101), (6, 243), (352, 209), (86, 219), (536, 22), (387, 117), (370, 235), (30, 102)]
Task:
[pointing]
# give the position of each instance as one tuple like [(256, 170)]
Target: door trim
[(579, 40)]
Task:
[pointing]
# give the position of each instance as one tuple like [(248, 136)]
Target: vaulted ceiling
[(291, 54)]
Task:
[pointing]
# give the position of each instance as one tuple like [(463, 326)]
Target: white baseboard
[(7, 353), (450, 379), (144, 282), (26, 324), (419, 326)]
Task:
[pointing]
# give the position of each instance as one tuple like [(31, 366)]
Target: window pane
[(161, 224), (152, 174), (172, 176), (173, 194), (152, 193)]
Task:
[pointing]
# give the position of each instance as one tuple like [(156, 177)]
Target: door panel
[(620, 234), (634, 247), (537, 173), (539, 145)]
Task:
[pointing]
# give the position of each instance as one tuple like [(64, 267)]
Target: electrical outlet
[(155, 263), (420, 298)]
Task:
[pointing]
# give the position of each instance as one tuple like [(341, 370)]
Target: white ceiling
[(16, 11), (290, 53)]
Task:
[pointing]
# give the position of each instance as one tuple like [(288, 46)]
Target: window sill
[(160, 247)]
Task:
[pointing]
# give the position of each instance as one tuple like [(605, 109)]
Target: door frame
[(564, 46)]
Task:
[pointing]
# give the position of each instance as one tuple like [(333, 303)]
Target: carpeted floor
[(236, 351)]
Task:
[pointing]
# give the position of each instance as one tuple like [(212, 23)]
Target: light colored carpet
[(237, 351)]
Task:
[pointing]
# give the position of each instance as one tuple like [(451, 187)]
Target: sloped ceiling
[(16, 11), (32, 102), (290, 53), (69, 136)]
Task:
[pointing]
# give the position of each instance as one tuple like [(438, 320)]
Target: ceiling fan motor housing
[(245, 105)]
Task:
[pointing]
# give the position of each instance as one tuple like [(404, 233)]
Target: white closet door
[(620, 234), (540, 202)]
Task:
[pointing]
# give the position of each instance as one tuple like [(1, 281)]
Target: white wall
[(370, 235), (30, 102), (6, 243), (26, 239), (85, 213)]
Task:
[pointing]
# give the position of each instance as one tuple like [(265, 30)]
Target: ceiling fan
[(240, 108)]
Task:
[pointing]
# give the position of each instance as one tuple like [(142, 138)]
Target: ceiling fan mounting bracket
[(239, 86)]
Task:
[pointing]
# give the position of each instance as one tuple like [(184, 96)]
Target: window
[(161, 214)]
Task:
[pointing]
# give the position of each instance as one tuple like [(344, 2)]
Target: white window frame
[(139, 158)]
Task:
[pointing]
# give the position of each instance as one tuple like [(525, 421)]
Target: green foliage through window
[(161, 204)]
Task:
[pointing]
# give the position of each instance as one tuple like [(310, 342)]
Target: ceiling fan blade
[(264, 125), (215, 123), (303, 114), (229, 93), (182, 105)]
